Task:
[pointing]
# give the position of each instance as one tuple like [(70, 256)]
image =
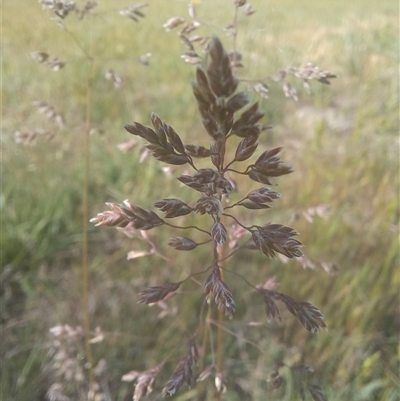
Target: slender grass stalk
[(204, 342), (85, 216), (234, 39), (222, 252)]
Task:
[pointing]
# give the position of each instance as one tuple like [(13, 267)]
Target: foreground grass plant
[(219, 103)]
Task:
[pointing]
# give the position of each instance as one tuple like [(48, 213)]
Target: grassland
[(343, 143)]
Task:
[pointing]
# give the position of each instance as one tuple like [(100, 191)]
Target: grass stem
[(222, 253), (85, 220)]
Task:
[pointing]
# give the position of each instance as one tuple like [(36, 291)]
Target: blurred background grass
[(343, 143)]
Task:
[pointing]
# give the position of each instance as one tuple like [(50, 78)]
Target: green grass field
[(343, 142)]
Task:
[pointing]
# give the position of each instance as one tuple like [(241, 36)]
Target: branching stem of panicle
[(235, 204), (251, 228), (239, 275), (229, 164), (237, 221), (196, 274), (186, 227), (223, 328), (235, 171), (204, 242), (230, 254)]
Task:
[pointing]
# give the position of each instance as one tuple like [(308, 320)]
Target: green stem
[(85, 221), (235, 25)]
